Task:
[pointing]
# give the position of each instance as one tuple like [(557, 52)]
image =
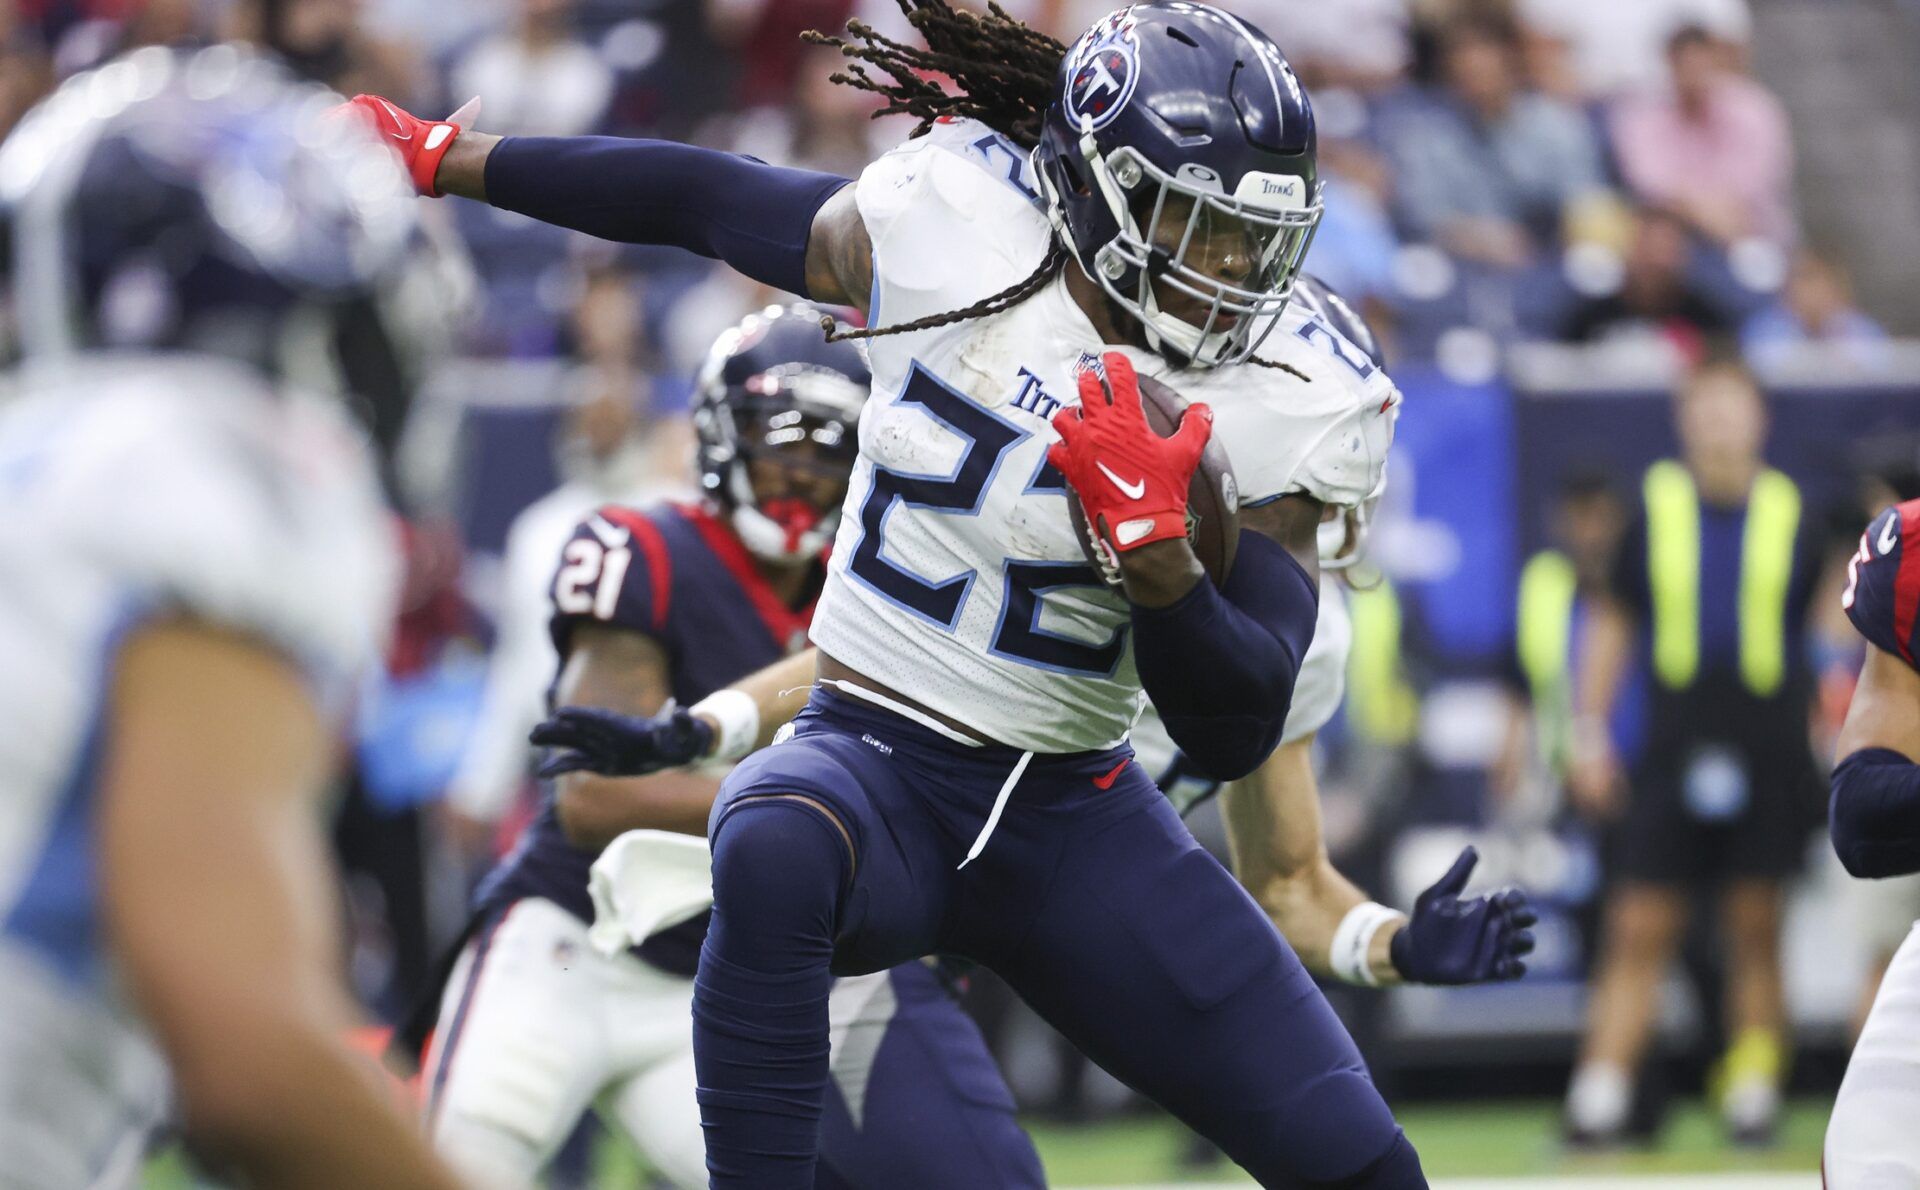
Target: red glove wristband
[(420, 143), (1132, 483)]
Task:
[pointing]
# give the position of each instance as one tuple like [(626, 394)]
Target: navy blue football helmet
[(1178, 161), (773, 387), (197, 200)]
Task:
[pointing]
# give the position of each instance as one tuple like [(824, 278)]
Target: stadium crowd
[(1497, 172), (1528, 169)]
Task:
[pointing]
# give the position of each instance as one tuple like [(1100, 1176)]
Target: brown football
[(1213, 498)]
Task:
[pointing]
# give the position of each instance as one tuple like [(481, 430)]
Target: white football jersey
[(957, 578), (136, 487)]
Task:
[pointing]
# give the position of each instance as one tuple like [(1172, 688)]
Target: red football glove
[(420, 143), (1132, 483)]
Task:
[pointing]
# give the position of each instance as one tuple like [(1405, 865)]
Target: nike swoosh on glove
[(420, 143), (1476, 940), (1132, 483), (616, 745)]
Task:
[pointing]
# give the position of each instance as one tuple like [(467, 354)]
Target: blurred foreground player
[(198, 568), (536, 1025), (1875, 822)]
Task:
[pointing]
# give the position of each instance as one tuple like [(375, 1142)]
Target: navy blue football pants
[(1092, 900)]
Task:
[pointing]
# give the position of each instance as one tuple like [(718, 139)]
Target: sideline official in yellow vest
[(1711, 586), (1557, 587)]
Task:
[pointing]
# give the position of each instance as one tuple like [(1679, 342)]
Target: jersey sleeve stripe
[(653, 546)]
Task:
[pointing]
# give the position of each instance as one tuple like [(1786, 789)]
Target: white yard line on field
[(1709, 1181)]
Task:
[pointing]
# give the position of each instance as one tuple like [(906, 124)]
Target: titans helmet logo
[(1102, 73)]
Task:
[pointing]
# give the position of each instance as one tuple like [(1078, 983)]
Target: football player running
[(960, 782), (535, 1025), (1876, 831), (1272, 816), (199, 569)]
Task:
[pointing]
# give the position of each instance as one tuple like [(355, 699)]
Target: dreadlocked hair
[(1003, 76), (1006, 299), (1277, 366), (1002, 71)]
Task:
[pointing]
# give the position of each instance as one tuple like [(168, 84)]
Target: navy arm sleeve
[(1220, 663), (755, 217), (1875, 813)]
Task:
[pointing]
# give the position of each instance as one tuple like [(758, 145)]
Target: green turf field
[(1518, 1139), (1478, 1140)]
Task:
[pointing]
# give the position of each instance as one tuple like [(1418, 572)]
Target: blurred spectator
[(819, 124), (1592, 49), (1714, 146), (325, 40), (1489, 170), (1558, 586), (765, 37), (1713, 582), (26, 72), (613, 450), (535, 77), (1354, 246), (1815, 306), (1656, 297)]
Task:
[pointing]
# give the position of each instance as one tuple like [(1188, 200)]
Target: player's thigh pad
[(520, 1051), (1872, 1142), (1152, 959), (914, 1097), (891, 903)]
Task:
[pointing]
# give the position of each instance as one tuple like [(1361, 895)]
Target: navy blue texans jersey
[(1883, 581), (680, 576)]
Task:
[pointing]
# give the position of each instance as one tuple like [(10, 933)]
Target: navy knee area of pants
[(1396, 1169), (760, 999)]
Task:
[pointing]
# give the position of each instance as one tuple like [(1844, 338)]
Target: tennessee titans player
[(535, 1026), (960, 782), (1876, 831), (1272, 815), (198, 570)]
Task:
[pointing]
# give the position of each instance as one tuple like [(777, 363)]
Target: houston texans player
[(1272, 816), (1876, 831), (199, 569), (535, 1026), (960, 782)]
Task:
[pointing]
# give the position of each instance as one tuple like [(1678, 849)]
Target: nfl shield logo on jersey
[(1104, 73)]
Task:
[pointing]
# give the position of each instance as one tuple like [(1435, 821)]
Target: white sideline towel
[(645, 882)]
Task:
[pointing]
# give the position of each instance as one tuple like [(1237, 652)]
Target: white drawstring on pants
[(1006, 789), (999, 805)]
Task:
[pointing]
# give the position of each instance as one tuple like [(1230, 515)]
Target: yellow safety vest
[(1381, 705), (1766, 572), (1543, 637)]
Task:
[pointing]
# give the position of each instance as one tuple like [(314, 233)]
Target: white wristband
[(739, 719), (1353, 942)]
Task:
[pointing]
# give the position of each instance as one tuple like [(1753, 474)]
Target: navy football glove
[(616, 745), (1448, 940)]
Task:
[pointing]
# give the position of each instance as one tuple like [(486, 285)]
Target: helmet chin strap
[(773, 538)]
